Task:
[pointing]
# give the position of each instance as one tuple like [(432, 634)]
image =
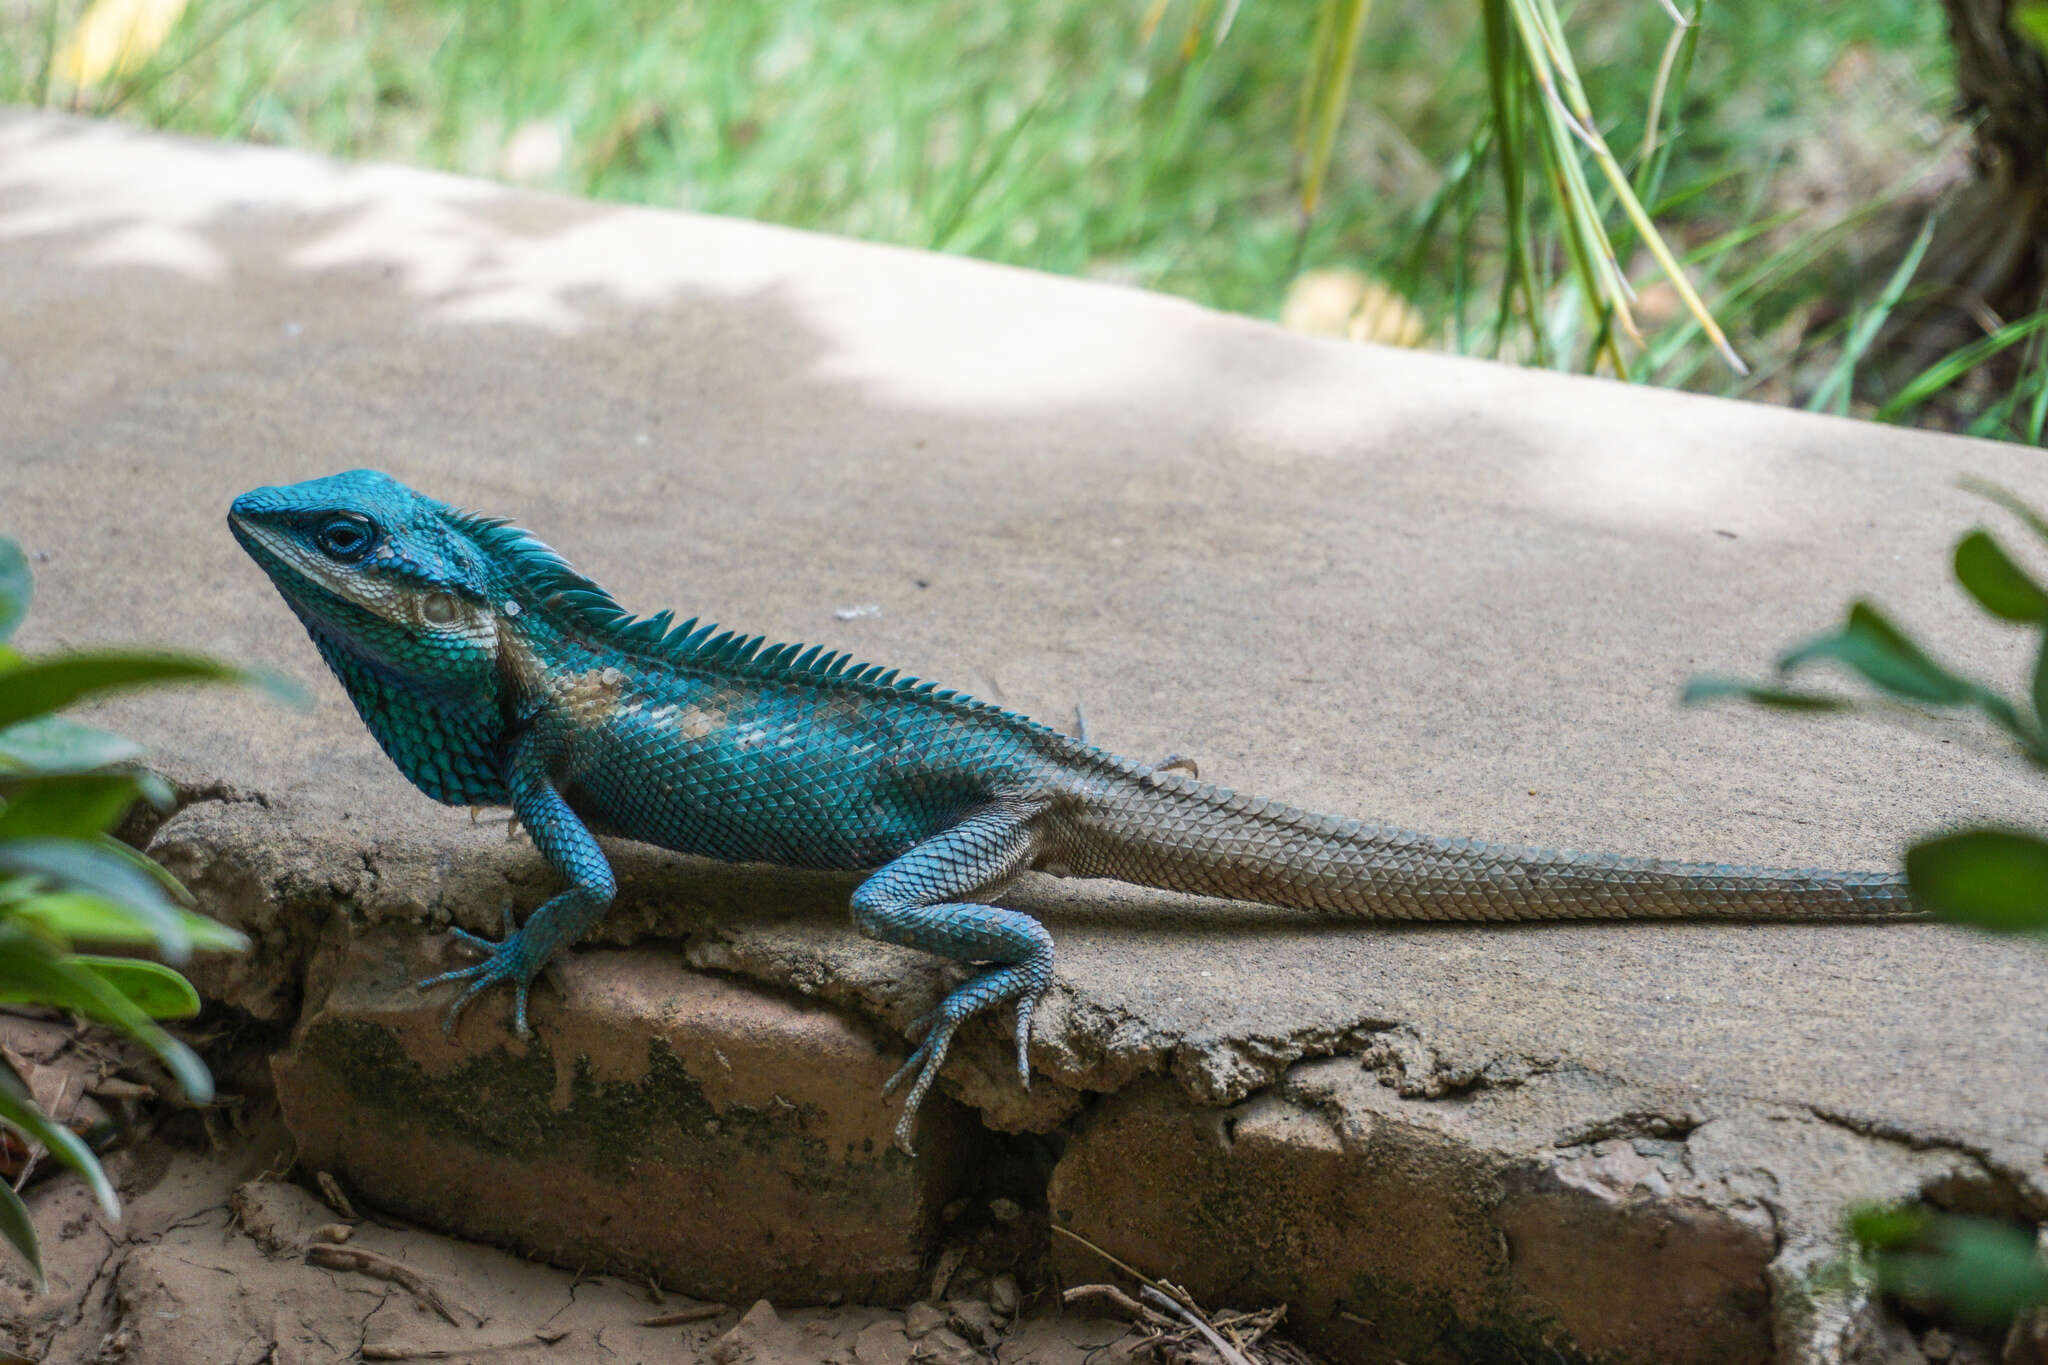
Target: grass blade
[(1327, 94), (1958, 363), (1840, 382)]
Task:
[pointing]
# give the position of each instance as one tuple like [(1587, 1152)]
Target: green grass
[(1060, 136)]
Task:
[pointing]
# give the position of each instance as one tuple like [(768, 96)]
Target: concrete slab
[(1436, 591)]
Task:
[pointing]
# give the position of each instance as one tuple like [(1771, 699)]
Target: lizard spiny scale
[(491, 672)]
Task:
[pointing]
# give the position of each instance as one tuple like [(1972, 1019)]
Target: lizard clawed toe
[(924, 1062), (503, 960), (473, 940), (917, 1028), (1025, 1003), (489, 945)]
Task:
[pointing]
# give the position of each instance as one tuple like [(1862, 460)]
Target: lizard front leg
[(916, 901), (566, 843)]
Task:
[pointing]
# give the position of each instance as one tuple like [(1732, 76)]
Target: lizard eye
[(440, 609), (346, 536)]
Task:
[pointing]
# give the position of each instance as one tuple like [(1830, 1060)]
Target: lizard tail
[(1160, 829)]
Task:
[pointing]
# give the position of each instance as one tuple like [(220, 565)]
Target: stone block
[(730, 1142), (1389, 1232)]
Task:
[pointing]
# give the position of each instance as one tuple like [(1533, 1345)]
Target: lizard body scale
[(493, 674)]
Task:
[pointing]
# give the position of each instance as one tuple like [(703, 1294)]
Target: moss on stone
[(502, 1102)]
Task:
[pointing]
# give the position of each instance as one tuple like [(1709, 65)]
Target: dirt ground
[(226, 1255)]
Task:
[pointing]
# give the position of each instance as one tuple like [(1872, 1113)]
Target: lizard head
[(380, 574)]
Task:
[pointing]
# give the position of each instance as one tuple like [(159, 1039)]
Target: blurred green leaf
[(1707, 689), (1992, 878), (36, 687), (20, 1232), (85, 867), (148, 867), (75, 807), (1870, 645), (54, 744), (1880, 1227), (17, 586), (2030, 21), (29, 965), (2038, 691), (19, 1108), (2007, 499), (151, 987), (1985, 1272), (82, 916), (2000, 586)]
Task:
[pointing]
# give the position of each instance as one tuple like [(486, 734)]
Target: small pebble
[(1005, 1210), (1004, 1295), (922, 1319), (974, 1320), (333, 1232), (948, 1348), (942, 1273), (882, 1343)]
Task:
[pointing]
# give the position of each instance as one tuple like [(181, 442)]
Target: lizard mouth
[(311, 596), (260, 542)]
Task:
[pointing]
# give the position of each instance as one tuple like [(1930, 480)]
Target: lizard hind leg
[(918, 901)]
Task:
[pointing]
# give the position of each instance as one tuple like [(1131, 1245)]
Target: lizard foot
[(504, 960), (933, 1032)]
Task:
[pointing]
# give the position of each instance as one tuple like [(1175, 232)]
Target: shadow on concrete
[(1444, 593)]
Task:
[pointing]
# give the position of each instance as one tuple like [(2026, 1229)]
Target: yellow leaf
[(1341, 302), (114, 37)]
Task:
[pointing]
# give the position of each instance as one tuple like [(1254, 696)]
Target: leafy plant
[(64, 878), (1987, 1273), (1540, 127), (1990, 878), (1145, 142)]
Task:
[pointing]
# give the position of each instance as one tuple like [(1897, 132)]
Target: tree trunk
[(1989, 260)]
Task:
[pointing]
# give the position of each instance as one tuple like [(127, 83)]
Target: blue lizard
[(493, 674)]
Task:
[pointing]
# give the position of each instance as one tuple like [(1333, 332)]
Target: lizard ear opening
[(441, 609)]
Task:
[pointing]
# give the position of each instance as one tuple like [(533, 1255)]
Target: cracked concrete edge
[(1085, 1048), (1607, 1156), (255, 865), (292, 885)]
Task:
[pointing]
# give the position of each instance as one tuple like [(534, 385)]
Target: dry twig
[(388, 1352), (702, 1312), (330, 1190), (369, 1263), (1230, 1354), (1175, 1333), (1117, 1299)]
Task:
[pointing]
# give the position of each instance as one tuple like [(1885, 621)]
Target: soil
[(226, 1255)]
